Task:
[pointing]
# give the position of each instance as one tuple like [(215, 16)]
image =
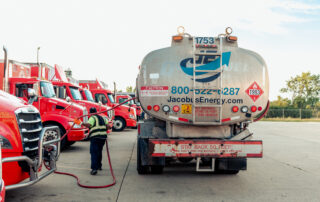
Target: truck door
[(101, 97)]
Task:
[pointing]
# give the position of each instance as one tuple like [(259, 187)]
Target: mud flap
[(146, 159), (231, 164)]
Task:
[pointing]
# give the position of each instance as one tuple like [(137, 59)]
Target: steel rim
[(117, 124)]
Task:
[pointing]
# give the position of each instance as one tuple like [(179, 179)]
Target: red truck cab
[(125, 116), (123, 98), (23, 140), (54, 111)]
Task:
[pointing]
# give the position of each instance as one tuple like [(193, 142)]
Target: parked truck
[(124, 97), (125, 116), (201, 94), (25, 143), (54, 111)]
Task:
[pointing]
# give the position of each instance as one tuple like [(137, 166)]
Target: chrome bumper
[(35, 164)]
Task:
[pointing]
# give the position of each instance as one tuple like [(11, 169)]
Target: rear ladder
[(218, 87)]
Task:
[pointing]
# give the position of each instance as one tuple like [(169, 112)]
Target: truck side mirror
[(68, 99), (31, 95)]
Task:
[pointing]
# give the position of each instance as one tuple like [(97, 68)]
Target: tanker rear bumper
[(205, 148)]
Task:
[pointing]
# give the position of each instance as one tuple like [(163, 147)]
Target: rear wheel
[(118, 124)]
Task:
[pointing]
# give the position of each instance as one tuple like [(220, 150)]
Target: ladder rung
[(214, 88), (215, 71), (207, 105), (209, 54)]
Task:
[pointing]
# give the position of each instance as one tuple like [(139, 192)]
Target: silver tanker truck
[(200, 95)]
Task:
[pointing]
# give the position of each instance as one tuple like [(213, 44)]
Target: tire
[(142, 170), (64, 143), (157, 169), (118, 124)]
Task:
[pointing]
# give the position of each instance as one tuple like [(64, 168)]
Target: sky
[(108, 39)]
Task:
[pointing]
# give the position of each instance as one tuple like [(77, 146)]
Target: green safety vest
[(98, 129)]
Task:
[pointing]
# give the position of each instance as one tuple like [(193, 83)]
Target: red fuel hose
[(107, 150)]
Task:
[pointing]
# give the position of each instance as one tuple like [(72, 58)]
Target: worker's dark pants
[(96, 147)]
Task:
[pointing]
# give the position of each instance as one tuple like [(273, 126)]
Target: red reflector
[(138, 129), (156, 108), (176, 108), (253, 108), (183, 119), (149, 107), (260, 108), (235, 108)]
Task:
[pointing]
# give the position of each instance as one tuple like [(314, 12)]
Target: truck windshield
[(125, 99), (110, 97), (47, 89), (75, 93), (88, 95)]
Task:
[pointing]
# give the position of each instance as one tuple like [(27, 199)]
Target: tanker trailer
[(201, 94)]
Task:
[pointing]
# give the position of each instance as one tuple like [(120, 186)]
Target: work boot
[(93, 172)]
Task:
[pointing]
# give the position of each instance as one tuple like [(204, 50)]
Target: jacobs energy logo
[(205, 62)]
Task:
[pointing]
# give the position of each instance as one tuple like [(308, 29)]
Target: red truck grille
[(30, 125)]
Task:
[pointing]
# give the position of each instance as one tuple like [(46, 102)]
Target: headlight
[(5, 143), (75, 125)]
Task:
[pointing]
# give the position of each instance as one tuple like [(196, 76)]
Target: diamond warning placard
[(254, 91)]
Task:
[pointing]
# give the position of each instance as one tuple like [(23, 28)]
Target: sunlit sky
[(108, 39)]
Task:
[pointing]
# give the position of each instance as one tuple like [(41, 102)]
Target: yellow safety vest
[(98, 129)]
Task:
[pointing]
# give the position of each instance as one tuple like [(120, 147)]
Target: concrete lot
[(289, 171)]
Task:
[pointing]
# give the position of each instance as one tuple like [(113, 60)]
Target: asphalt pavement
[(288, 171)]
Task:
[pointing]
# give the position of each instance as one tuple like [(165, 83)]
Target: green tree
[(305, 89), (280, 103), (129, 89)]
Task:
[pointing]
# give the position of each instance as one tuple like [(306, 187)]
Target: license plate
[(186, 109), (206, 148), (204, 40)]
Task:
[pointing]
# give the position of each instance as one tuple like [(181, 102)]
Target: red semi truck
[(125, 116), (24, 140), (54, 111), (122, 98)]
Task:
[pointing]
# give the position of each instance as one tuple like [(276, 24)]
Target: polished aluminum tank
[(172, 88)]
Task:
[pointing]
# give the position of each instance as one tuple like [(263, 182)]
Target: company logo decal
[(206, 63)]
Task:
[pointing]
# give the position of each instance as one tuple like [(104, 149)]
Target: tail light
[(253, 108), (235, 109), (176, 108), (259, 108), (138, 129), (156, 108), (149, 107)]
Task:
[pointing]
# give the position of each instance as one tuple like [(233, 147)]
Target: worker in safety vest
[(98, 134)]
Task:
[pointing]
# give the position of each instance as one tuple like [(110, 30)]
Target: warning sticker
[(186, 109), (254, 91), (148, 91)]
